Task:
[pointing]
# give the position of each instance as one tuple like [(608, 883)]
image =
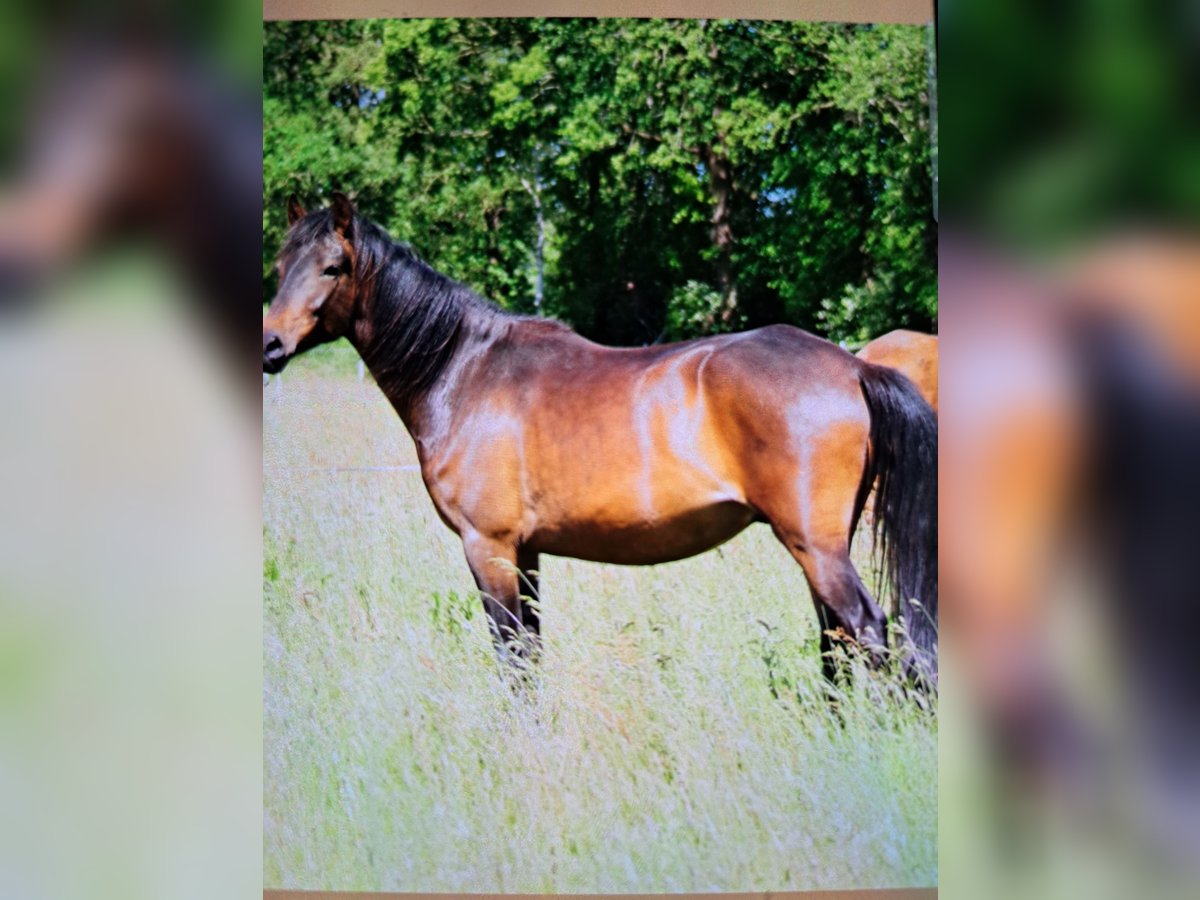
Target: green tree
[(642, 179)]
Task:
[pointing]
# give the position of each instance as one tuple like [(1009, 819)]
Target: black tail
[(1140, 494), (902, 463)]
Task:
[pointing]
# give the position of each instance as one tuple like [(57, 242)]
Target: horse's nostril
[(274, 354)]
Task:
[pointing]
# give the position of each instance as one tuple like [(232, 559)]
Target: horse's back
[(780, 368)]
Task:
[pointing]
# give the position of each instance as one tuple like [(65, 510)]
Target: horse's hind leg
[(842, 600), (812, 516)]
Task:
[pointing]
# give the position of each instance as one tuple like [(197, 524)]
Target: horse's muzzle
[(19, 279), (275, 357)]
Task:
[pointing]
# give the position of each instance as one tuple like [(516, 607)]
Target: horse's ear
[(343, 212), (295, 212)]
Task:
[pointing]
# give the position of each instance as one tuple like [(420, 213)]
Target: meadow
[(677, 735)]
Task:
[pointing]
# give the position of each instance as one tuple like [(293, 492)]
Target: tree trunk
[(540, 252), (491, 216), (720, 183)]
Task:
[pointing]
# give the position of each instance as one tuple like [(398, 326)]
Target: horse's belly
[(640, 543)]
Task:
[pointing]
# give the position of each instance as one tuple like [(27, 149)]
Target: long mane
[(418, 316)]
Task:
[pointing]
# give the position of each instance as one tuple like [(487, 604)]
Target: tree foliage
[(641, 179)]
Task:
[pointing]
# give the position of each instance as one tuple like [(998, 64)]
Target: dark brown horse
[(532, 439)]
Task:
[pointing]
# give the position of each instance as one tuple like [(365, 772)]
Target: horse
[(911, 352), (532, 439), (131, 136)]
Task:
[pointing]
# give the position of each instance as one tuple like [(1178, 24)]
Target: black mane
[(418, 315)]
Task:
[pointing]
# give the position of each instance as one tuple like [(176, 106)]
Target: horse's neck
[(425, 412)]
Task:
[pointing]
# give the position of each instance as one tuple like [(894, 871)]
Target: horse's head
[(129, 137), (317, 297)]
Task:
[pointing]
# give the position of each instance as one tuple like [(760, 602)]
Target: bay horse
[(532, 439)]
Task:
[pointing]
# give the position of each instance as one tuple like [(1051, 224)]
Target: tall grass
[(676, 737)]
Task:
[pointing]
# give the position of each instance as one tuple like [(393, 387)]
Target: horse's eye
[(333, 271)]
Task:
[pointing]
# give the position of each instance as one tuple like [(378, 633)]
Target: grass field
[(676, 737)]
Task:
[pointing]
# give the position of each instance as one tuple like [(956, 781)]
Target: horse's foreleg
[(494, 566), (531, 618)]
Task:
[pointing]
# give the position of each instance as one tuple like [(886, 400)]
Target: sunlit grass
[(676, 736)]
